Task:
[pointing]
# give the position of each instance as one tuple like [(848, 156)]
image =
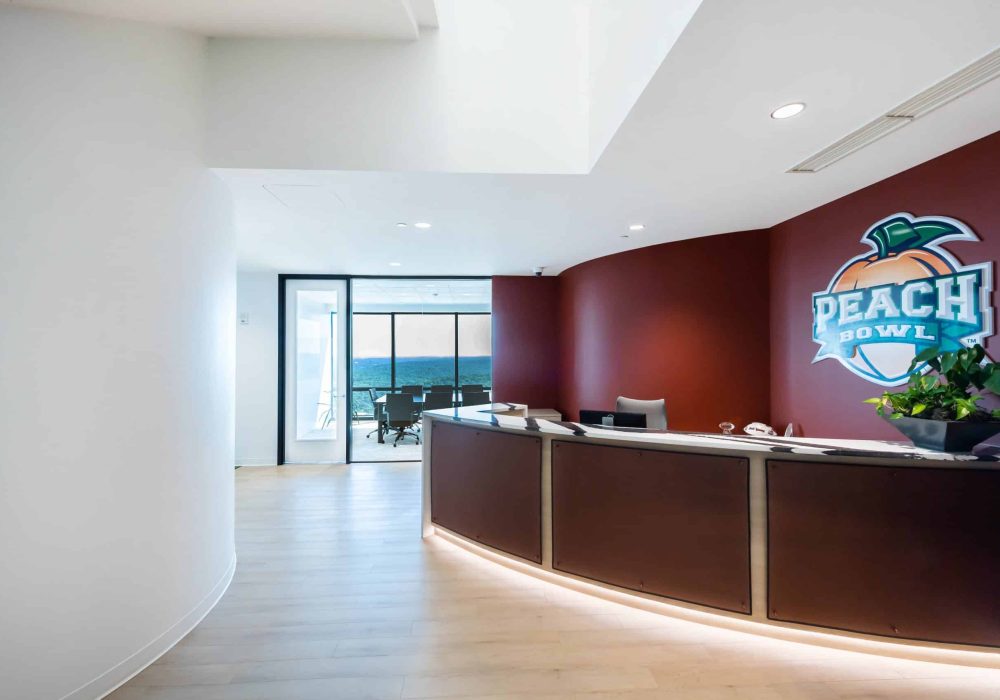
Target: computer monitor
[(622, 419)]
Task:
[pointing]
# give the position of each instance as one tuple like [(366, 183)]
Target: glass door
[(316, 411)]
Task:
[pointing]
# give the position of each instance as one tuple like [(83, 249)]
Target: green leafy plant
[(950, 391)]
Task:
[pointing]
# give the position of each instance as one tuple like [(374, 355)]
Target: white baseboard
[(257, 462), (121, 673)]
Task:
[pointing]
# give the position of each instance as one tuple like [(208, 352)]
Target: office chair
[(475, 398), (655, 410), (412, 389), (400, 415), (474, 388), (437, 399), (442, 389), (433, 400)]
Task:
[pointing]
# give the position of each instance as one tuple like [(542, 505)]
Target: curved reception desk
[(864, 539)]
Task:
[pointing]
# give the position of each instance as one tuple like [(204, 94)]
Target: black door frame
[(282, 297)]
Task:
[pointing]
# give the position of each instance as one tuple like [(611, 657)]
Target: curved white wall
[(117, 307)]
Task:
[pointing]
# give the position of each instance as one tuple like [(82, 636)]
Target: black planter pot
[(945, 435)]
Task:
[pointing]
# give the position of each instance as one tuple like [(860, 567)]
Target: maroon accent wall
[(526, 340), (722, 326), (685, 321), (824, 399)]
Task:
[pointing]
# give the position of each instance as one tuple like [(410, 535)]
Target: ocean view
[(376, 371)]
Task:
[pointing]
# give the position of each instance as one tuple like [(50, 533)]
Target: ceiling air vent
[(952, 87)]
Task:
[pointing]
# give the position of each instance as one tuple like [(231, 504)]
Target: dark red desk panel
[(899, 551), (487, 486), (667, 523)]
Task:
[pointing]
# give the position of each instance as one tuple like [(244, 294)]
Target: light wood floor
[(336, 596)]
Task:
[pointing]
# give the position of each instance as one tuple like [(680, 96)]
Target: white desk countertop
[(511, 416)]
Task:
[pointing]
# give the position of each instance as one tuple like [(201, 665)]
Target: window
[(425, 349), (415, 331), (371, 364), (475, 341)]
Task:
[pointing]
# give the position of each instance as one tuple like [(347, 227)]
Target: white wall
[(501, 86), (117, 268), (257, 369)]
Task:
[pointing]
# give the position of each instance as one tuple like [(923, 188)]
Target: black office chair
[(442, 389), (474, 388), (475, 398), (437, 399), (401, 415), (376, 410), (412, 389)]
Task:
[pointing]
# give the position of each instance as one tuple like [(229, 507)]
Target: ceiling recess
[(955, 85)]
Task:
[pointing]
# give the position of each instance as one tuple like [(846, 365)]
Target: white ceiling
[(504, 86), (697, 154), (368, 19)]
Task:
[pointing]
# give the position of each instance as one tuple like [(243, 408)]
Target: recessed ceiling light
[(395, 264), (786, 111), (401, 224), (422, 224), (637, 227)]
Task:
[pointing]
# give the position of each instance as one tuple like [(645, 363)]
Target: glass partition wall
[(421, 333), (393, 350)]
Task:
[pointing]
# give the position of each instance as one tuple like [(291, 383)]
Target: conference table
[(418, 401)]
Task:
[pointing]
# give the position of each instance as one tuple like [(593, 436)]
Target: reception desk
[(861, 539)]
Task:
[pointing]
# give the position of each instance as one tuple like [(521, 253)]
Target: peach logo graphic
[(883, 307)]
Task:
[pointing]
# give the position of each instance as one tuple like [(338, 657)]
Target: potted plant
[(940, 409)]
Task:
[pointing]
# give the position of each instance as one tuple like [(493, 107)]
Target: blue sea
[(375, 371)]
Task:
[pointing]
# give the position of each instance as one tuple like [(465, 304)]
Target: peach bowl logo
[(907, 294)]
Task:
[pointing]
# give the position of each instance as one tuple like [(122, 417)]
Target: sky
[(422, 335)]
